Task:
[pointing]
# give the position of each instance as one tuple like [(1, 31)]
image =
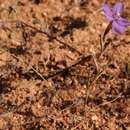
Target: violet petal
[(118, 8), (117, 28), (108, 12), (123, 22)]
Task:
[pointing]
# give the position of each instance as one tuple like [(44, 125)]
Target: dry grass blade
[(109, 102), (39, 74), (89, 87)]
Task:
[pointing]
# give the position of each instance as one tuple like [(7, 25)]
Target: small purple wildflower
[(118, 23)]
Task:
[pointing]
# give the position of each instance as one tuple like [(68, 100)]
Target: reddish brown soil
[(51, 75)]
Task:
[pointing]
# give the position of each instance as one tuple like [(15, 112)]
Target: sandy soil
[(52, 76)]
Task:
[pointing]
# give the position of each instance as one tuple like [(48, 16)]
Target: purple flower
[(114, 16)]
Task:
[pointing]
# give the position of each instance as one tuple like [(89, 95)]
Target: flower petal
[(117, 28), (118, 8), (123, 22), (108, 12)]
